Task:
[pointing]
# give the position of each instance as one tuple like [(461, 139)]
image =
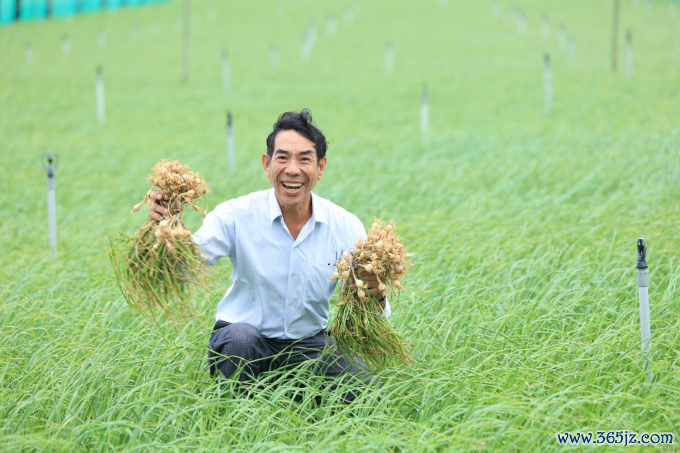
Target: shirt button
[(290, 304), (293, 274)]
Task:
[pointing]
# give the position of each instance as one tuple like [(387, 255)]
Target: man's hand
[(372, 282), (156, 211)]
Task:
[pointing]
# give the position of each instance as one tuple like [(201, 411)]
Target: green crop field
[(522, 311)]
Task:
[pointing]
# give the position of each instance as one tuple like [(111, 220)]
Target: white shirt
[(281, 286)]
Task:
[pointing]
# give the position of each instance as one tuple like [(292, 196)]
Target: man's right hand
[(157, 212)]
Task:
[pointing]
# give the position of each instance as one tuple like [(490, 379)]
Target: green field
[(522, 312)]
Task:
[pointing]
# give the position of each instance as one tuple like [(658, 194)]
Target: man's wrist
[(381, 299)]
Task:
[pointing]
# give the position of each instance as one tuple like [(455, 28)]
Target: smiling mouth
[(292, 186)]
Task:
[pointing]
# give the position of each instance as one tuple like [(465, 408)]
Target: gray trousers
[(240, 346)]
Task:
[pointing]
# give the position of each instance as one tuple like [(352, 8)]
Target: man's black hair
[(300, 122)]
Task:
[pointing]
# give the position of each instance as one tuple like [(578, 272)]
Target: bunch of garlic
[(160, 266), (184, 187), (176, 177), (381, 253)]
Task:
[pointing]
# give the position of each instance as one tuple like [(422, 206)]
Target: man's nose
[(292, 168)]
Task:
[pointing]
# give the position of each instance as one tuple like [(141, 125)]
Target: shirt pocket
[(319, 286)]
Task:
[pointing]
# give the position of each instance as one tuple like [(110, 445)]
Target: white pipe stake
[(645, 330), (29, 53), (226, 72), (65, 46), (389, 58), (231, 152), (562, 36), (643, 290), (186, 20), (305, 48), (349, 14), (52, 214), (522, 23), (495, 9), (547, 80), (307, 43), (424, 109), (545, 28), (615, 35), (101, 38), (571, 44), (331, 25), (101, 100), (273, 57), (629, 54), (50, 162)]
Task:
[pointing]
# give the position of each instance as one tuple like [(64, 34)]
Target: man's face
[(293, 169)]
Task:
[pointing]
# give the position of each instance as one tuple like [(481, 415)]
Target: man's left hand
[(372, 282)]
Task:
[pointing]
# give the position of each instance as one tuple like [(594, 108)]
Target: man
[(283, 244)]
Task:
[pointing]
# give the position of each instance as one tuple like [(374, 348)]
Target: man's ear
[(265, 162), (322, 167)]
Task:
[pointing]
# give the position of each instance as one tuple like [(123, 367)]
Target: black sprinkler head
[(642, 254)]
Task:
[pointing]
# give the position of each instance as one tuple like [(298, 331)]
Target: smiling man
[(283, 244)]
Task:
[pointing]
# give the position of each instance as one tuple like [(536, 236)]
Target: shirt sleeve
[(354, 231), (387, 311), (216, 235)]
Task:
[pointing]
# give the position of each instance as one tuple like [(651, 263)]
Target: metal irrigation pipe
[(50, 163), (231, 153), (643, 290), (424, 108)]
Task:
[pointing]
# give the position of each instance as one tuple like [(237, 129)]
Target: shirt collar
[(318, 211), (273, 207)]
